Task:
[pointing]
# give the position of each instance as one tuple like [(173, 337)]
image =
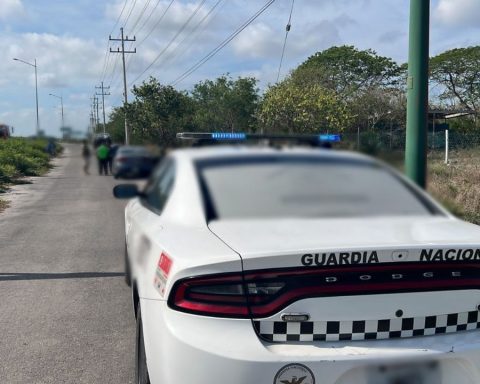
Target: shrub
[(22, 157)]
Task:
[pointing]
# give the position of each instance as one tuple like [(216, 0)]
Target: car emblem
[(294, 374)]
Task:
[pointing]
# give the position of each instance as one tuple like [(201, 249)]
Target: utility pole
[(417, 94), (123, 39), (96, 120), (92, 123), (103, 101)]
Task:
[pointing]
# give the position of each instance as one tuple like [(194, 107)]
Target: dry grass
[(3, 205), (457, 185)]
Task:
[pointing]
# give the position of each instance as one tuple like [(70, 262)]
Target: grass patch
[(457, 185), (3, 205), (20, 157)]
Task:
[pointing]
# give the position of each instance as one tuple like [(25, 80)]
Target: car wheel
[(141, 371), (128, 276)]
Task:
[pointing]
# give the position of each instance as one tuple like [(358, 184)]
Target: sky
[(70, 42)]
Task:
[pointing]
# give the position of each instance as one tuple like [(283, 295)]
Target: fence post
[(446, 146)]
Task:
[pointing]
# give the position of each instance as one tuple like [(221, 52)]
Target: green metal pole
[(417, 95)]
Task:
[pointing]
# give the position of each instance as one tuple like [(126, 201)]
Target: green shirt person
[(102, 152), (102, 156)]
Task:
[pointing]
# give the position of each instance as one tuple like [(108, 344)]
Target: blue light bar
[(332, 138), (228, 136)]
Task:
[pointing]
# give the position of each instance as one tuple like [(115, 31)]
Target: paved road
[(65, 314)]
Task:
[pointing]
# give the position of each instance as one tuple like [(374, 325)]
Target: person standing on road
[(86, 157), (50, 148), (102, 156), (112, 150)]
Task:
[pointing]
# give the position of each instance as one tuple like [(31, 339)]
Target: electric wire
[(213, 52), (171, 41), (147, 3), (156, 24), (130, 58), (287, 30), (115, 63), (106, 59), (149, 17), (129, 14), (119, 16), (171, 54)]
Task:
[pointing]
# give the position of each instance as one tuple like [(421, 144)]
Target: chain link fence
[(377, 142)]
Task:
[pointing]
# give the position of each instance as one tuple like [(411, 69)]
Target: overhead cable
[(213, 52), (171, 41), (287, 30)]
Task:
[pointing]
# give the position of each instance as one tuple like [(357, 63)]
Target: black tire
[(128, 276), (141, 370)]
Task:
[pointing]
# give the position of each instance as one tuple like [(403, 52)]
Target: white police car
[(298, 266)]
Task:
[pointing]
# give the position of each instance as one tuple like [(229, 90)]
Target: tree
[(293, 108), (116, 125), (348, 71), (458, 72), (158, 112), (225, 104)]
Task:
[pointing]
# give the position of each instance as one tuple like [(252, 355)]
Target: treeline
[(341, 89)]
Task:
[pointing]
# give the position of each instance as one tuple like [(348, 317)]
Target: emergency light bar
[(240, 136)]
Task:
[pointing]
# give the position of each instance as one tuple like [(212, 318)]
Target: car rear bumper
[(188, 349)]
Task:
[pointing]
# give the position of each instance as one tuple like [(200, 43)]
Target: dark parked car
[(133, 162)]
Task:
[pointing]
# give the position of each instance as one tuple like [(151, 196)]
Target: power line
[(119, 16), (287, 30), (172, 40), (149, 17), (151, 30), (130, 13), (106, 59), (192, 33), (113, 70), (140, 16), (156, 24), (213, 52)]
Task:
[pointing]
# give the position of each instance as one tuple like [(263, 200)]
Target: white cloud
[(458, 12), (11, 9), (61, 60), (261, 41)]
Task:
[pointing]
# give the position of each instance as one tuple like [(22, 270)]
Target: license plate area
[(405, 373)]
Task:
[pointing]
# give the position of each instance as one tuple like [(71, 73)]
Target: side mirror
[(126, 191)]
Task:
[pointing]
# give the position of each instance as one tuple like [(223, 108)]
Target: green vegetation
[(341, 89), (22, 157), (456, 185), (457, 72), (291, 108)]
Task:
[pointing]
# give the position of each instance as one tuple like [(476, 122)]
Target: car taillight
[(121, 159), (221, 295), (260, 294)]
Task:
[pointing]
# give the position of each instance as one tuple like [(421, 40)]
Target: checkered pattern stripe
[(367, 329)]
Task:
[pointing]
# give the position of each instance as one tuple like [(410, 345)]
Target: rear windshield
[(304, 187), (133, 151)]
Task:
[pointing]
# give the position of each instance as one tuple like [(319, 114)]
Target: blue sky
[(69, 39)]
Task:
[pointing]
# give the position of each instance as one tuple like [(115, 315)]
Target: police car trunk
[(338, 247), (332, 280)]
